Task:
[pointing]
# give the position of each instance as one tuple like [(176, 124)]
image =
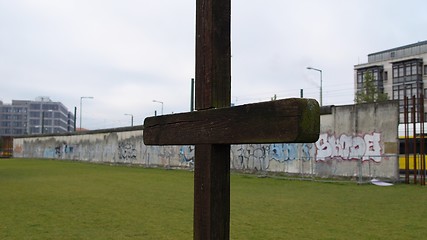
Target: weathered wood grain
[(288, 120), (215, 125), (213, 90)]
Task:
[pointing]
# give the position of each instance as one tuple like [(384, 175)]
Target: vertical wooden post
[(213, 54), (422, 141), (213, 90), (406, 123), (192, 96), (293, 120), (212, 191), (414, 132)]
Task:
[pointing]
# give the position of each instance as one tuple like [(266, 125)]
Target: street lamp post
[(131, 118), (81, 98), (319, 70), (160, 103)]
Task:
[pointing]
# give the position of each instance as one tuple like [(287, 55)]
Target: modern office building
[(42, 116), (399, 72)]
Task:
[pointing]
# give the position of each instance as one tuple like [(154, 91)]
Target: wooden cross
[(215, 125)]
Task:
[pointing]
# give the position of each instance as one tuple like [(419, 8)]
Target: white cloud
[(127, 53)]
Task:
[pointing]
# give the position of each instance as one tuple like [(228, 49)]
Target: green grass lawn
[(45, 199)]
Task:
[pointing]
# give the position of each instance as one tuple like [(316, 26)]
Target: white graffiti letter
[(324, 148), (336, 148), (346, 143), (358, 148), (373, 148)]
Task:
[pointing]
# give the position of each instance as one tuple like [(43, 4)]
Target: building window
[(385, 75), (408, 70), (48, 114), (375, 75), (35, 106), (414, 69), (35, 114), (5, 124), (401, 71), (52, 107), (425, 69), (34, 122), (17, 131)]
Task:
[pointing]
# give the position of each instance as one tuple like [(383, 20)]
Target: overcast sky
[(128, 53)]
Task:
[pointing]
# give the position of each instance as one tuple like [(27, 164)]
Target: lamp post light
[(319, 70), (131, 118), (160, 103), (81, 98)]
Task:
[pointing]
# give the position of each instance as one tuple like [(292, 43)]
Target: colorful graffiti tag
[(347, 147), (186, 155)]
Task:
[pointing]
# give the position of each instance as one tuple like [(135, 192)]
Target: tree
[(369, 92)]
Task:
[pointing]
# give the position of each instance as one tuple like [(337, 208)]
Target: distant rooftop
[(399, 52), (43, 99)]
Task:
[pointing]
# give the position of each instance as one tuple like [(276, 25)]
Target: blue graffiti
[(68, 149), (306, 151), (186, 155), (49, 153), (283, 152)]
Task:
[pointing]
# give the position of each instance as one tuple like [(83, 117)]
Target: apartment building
[(399, 72), (41, 116)]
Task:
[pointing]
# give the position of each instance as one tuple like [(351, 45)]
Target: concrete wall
[(122, 145), (359, 140), (355, 140)]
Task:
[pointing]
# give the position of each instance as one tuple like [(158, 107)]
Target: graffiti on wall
[(250, 157), (282, 157), (127, 151), (18, 149), (329, 146), (290, 151), (57, 151), (259, 156), (186, 155), (348, 147)]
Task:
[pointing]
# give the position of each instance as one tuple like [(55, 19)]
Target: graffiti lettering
[(306, 149), (349, 147), (283, 152), (127, 151), (58, 151), (251, 156), (186, 155)]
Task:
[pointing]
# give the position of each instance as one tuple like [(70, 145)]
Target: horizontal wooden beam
[(281, 121)]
